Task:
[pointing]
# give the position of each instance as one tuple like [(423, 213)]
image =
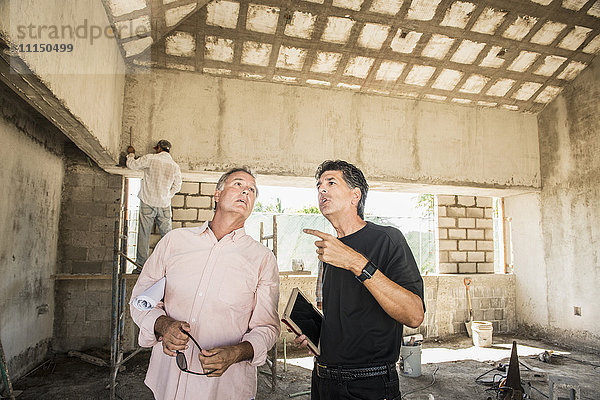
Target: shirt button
[(200, 294), (193, 319)]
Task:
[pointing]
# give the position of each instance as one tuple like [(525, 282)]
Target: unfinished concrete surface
[(512, 55), (434, 96), (80, 91), (457, 365), (215, 123), (31, 177)]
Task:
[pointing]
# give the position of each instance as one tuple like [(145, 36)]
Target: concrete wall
[(31, 179), (566, 217), (466, 234), (493, 299), (91, 205), (214, 123), (89, 81)]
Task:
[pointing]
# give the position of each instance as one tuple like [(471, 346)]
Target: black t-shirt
[(356, 331)]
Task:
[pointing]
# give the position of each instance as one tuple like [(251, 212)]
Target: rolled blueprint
[(150, 298)]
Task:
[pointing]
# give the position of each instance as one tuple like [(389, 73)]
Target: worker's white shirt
[(162, 178)]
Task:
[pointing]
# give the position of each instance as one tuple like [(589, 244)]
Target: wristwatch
[(367, 272)]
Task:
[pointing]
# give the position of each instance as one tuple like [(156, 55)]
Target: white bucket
[(410, 363), (482, 333)]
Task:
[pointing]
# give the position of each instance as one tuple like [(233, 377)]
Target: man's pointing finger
[(316, 233)]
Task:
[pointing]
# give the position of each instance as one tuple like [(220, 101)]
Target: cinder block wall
[(466, 235), (90, 207), (192, 206)]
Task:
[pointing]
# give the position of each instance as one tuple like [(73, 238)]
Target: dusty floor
[(455, 361)]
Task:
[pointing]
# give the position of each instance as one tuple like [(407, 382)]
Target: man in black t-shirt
[(371, 289)]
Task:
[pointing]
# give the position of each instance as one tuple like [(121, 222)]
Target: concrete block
[(99, 254), (476, 234), (466, 222), (467, 201), (485, 245), (190, 188), (80, 223), (98, 299), (485, 303), (86, 267), (88, 208), (197, 202), (115, 182), (466, 245), (457, 256), (456, 212), (448, 268), (485, 268), (467, 268), (476, 256), (113, 210), (475, 212), (192, 224), (484, 223), (98, 285), (498, 314), (79, 193), (488, 212), (100, 180), (443, 233), (208, 189), (93, 313), (441, 211), (177, 224), (205, 215), (81, 178), (446, 200), (447, 245), (445, 222), (489, 234), (185, 214), (489, 256), (103, 224), (458, 233), (106, 195), (484, 201), (443, 256), (74, 253), (488, 315), (178, 200), (496, 302)]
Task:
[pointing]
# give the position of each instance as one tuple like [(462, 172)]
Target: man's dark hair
[(353, 177), (223, 178)]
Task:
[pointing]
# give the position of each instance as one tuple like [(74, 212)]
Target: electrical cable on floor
[(437, 367), (538, 390), (579, 361)]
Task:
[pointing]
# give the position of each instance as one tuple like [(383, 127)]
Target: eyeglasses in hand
[(182, 361)]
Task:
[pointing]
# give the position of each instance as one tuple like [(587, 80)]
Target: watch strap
[(367, 272)]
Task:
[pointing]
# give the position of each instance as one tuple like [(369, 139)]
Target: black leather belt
[(350, 374)]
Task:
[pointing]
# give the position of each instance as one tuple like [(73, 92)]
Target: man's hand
[(332, 251), (219, 359), (301, 341), (169, 332)]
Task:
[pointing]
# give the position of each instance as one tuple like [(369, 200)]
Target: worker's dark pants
[(375, 388)]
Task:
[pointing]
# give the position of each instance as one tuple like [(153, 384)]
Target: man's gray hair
[(223, 178)]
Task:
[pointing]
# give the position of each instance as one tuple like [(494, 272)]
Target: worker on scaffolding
[(371, 287), (162, 179), (219, 315)]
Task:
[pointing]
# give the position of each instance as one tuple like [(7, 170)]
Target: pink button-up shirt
[(227, 291)]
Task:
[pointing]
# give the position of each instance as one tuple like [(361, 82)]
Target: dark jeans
[(383, 387)]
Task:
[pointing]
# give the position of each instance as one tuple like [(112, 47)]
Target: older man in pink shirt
[(222, 289)]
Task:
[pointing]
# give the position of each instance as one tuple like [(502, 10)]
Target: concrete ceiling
[(512, 54)]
